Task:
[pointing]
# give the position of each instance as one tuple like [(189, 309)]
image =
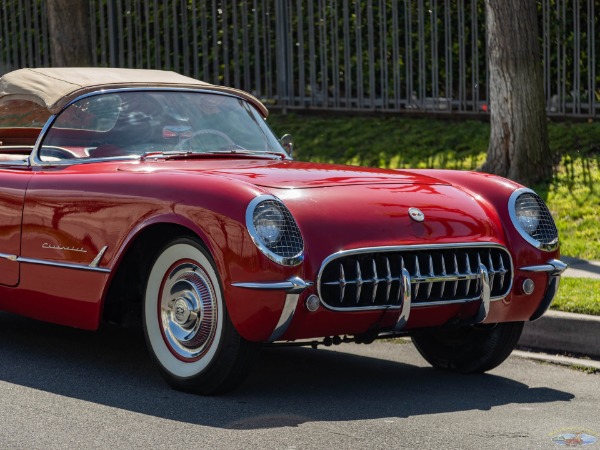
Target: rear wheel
[(473, 349), (187, 328)]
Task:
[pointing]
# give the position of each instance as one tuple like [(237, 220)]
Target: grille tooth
[(455, 288), (443, 283), (467, 272), (402, 267), (502, 271), (373, 279), (491, 270), (388, 280), (342, 283), (431, 274), (417, 275), (359, 281)]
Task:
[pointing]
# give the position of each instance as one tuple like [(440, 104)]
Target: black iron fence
[(383, 55)]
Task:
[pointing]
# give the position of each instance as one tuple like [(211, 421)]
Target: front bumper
[(554, 269), (295, 286)]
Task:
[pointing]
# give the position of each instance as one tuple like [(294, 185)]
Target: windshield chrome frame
[(35, 161)]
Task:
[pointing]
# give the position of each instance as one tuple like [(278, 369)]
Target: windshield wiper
[(167, 154), (190, 154)]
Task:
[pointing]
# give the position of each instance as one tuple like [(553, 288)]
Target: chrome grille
[(372, 278)]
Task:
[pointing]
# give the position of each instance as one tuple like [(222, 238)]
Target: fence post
[(113, 35), (281, 44)]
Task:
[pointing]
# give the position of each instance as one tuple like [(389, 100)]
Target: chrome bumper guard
[(293, 287), (482, 313), (554, 269)]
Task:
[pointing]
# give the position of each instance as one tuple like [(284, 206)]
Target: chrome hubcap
[(188, 311)]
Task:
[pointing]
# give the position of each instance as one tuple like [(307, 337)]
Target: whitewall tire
[(187, 328)]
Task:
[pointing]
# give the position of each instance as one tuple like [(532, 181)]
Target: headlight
[(268, 220), (274, 230), (533, 220), (528, 212)]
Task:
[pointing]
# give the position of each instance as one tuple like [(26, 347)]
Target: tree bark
[(69, 32), (518, 147)]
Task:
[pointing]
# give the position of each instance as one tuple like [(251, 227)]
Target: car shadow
[(288, 387)]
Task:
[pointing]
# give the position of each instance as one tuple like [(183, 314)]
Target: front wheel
[(187, 328), (472, 349)]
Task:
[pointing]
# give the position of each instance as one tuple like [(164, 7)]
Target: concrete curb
[(564, 333)]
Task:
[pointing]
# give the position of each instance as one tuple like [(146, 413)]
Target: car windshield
[(131, 123)]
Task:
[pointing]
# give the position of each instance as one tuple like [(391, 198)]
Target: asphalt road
[(65, 388)]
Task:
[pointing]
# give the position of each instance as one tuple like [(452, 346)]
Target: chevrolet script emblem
[(416, 214)]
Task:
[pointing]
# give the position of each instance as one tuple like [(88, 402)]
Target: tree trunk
[(69, 31), (518, 146)]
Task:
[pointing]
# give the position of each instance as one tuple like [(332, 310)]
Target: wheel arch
[(124, 294)]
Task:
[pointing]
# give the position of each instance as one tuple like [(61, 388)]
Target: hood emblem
[(416, 214)]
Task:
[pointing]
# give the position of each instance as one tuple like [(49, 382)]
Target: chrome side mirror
[(287, 142)]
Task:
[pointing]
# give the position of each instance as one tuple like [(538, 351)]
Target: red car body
[(72, 231)]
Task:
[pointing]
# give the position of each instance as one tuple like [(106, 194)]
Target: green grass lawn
[(396, 141), (578, 295)]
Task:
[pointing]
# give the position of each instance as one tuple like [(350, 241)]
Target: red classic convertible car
[(145, 194)]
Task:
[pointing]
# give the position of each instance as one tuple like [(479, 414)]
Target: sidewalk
[(580, 268), (562, 332)]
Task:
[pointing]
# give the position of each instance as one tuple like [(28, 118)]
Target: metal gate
[(369, 55)]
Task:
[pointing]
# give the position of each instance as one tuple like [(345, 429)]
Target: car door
[(14, 178)]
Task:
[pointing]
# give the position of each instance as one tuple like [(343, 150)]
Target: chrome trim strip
[(98, 257), (9, 257), (63, 265), (554, 267), (512, 200), (417, 279), (294, 285), (461, 301), (287, 314)]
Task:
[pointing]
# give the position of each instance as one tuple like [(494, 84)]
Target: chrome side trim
[(294, 285), (287, 314), (63, 265), (554, 267), (9, 257), (98, 257)]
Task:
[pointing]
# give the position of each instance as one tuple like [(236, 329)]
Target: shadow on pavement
[(288, 387)]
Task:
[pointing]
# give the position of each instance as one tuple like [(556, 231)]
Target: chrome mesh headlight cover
[(274, 230), (532, 219)]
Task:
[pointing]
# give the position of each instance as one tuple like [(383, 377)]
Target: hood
[(342, 218), (288, 174)]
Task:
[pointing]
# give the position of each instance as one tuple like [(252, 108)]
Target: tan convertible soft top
[(53, 88)]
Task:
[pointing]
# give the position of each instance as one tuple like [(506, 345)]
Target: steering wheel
[(219, 134)]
